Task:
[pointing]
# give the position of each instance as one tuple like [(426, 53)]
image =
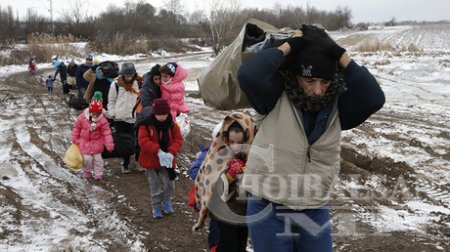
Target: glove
[(296, 44), (162, 158), (313, 35), (110, 148), (235, 167), (169, 159)]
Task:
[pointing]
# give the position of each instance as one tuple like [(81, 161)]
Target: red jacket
[(149, 143)]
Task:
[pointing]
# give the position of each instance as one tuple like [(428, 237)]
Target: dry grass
[(377, 45), (41, 47), (121, 44), (125, 45), (382, 63), (374, 46)]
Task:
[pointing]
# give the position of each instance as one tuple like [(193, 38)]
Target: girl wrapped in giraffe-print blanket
[(218, 179)]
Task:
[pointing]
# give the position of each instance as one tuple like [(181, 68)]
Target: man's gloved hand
[(235, 167), (296, 44), (313, 35)]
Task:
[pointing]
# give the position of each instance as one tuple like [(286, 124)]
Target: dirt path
[(117, 214)]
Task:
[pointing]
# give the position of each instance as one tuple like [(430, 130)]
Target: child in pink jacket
[(172, 87), (91, 132)]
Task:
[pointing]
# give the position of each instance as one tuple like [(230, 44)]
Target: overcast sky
[(362, 10)]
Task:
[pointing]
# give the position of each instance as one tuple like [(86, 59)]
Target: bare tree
[(77, 12), (223, 17), (174, 6)]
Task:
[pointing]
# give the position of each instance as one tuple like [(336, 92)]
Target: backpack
[(77, 102)]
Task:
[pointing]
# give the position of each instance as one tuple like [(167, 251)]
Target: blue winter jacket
[(195, 166)]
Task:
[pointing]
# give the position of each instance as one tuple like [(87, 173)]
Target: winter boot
[(125, 170), (99, 178), (157, 213), (87, 175), (168, 209), (124, 167)]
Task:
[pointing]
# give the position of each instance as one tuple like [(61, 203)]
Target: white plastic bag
[(184, 123)]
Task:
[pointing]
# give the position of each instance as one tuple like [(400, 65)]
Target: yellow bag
[(73, 157)]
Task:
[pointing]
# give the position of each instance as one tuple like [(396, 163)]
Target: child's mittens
[(235, 167), (169, 159), (162, 157), (110, 147)]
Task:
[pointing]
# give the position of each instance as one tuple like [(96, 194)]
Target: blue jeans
[(284, 229)]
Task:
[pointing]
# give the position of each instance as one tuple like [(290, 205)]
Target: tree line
[(147, 28)]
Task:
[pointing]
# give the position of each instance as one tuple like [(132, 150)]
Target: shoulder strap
[(138, 102)]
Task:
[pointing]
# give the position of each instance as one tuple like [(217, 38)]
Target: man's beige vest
[(283, 168)]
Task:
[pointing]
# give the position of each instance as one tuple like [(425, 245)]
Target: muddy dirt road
[(58, 210)]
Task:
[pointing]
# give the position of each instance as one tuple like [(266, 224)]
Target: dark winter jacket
[(63, 72), (72, 70), (149, 92), (81, 82), (261, 81)]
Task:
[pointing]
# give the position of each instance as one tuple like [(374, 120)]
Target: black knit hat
[(314, 63), (155, 70)]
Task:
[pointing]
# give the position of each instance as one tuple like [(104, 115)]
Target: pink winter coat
[(174, 92), (92, 141)]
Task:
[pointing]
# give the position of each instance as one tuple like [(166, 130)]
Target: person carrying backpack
[(122, 96)]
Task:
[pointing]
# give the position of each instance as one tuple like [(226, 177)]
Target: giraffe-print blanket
[(216, 160)]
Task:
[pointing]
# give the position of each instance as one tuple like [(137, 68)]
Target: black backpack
[(110, 69), (77, 102)]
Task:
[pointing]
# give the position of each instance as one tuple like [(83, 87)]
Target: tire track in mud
[(419, 183)]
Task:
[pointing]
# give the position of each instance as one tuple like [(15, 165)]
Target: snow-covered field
[(396, 166)]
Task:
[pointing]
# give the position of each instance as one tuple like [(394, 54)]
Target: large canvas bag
[(218, 83)]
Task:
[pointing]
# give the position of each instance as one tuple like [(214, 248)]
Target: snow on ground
[(413, 127)]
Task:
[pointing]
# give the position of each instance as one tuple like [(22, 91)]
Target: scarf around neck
[(127, 86), (307, 103), (162, 129)]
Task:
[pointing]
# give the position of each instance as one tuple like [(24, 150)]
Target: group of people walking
[(284, 160), (113, 95)]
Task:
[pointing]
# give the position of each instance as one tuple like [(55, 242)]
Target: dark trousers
[(124, 127), (232, 237)]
